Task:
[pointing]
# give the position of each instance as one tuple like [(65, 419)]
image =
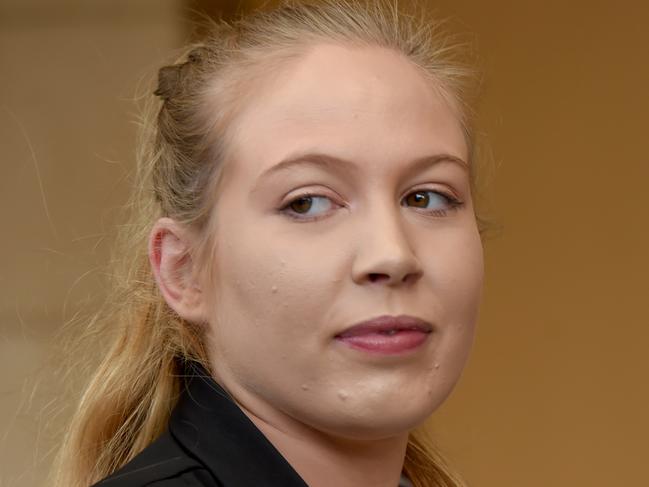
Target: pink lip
[(387, 334)]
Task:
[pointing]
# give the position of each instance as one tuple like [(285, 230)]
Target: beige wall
[(68, 73), (555, 392)]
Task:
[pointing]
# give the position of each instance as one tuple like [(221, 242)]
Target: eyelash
[(452, 202)]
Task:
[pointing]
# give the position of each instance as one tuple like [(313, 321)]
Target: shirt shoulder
[(161, 464)]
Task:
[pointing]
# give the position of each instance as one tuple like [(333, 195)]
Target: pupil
[(419, 197), (298, 205)]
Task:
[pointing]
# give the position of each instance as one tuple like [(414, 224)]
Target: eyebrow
[(327, 161)]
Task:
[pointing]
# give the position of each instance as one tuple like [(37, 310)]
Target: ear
[(175, 271)]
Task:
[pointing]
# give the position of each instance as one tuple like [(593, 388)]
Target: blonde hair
[(183, 145)]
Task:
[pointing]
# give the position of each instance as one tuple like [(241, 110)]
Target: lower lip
[(380, 343)]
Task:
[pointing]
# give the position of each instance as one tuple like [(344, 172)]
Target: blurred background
[(556, 391)]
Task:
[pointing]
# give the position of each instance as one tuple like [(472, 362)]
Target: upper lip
[(386, 323)]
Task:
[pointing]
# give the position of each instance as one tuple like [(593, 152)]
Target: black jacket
[(210, 442)]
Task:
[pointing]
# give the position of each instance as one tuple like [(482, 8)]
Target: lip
[(387, 334)]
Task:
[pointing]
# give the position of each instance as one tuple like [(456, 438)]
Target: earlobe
[(174, 269)]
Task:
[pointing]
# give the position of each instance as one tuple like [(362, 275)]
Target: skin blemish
[(274, 289), (343, 395)]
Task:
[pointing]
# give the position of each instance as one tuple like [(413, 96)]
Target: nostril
[(377, 277)]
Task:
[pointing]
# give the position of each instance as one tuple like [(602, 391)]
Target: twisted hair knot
[(170, 78)]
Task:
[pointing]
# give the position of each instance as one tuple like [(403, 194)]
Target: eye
[(433, 202), (303, 204), (309, 206)]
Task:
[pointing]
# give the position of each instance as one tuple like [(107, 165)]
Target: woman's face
[(381, 153)]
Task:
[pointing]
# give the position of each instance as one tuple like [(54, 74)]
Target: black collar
[(212, 428)]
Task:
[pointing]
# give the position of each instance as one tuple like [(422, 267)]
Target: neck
[(323, 460)]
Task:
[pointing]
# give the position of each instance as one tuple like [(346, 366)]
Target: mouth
[(389, 335)]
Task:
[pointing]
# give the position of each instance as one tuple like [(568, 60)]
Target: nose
[(384, 253)]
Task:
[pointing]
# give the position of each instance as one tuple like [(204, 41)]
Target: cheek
[(267, 295), (466, 281), (457, 265), (460, 270)]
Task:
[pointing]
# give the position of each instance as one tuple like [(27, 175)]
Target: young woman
[(303, 272)]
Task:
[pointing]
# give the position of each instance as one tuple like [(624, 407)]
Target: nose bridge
[(384, 249)]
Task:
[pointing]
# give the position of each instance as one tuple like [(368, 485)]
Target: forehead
[(366, 104)]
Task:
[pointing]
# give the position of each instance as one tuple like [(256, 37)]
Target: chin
[(379, 421)]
